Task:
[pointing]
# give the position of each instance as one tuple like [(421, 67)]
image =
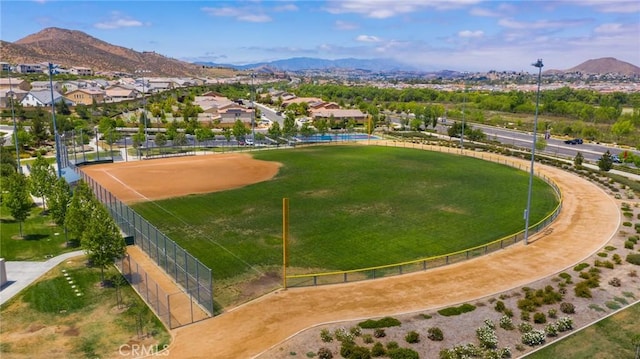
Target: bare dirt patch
[(174, 177)]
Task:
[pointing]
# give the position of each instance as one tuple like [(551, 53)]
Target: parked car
[(616, 159), (575, 141)]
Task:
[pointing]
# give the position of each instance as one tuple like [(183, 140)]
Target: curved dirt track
[(588, 220)]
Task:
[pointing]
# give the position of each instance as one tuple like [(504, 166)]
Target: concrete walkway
[(21, 274)]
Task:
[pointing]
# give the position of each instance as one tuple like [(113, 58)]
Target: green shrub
[(499, 307), (567, 308), (634, 258), (605, 264), (626, 224), (378, 350), (539, 318), (412, 337), (582, 290), (381, 323), (379, 333), (435, 334), (551, 329), (603, 254), (596, 307), (527, 305), (367, 338), (311, 355), (616, 258), (392, 345), (506, 323), (610, 248), (325, 353), (451, 311), (634, 239), (355, 331), (565, 276), (326, 336), (508, 312), (628, 245), (525, 327), (564, 324), (580, 267), (552, 313), (403, 353)]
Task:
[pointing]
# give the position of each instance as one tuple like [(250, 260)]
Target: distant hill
[(605, 65), (309, 63), (75, 48)]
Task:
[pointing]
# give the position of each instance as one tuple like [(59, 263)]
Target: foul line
[(181, 220)]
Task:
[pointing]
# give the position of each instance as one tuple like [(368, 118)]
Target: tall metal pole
[(55, 126), (253, 115), (464, 102), (15, 126), (539, 65)]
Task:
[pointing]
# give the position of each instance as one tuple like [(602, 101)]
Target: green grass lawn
[(352, 207), (42, 238), (609, 338)]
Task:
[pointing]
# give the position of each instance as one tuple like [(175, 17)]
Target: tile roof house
[(6, 94), (43, 98), (118, 92), (340, 114), (222, 110), (86, 96), (46, 85), (7, 83)]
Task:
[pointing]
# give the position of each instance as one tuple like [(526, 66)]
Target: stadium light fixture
[(527, 211)]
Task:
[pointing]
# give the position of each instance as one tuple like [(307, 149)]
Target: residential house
[(6, 94), (5, 66), (8, 83), (69, 86), (46, 85), (289, 100), (81, 71), (223, 111), (43, 98), (340, 115), (86, 96), (30, 68), (118, 92)]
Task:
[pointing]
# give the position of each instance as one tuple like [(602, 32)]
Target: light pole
[(464, 101), (15, 127), (539, 65), (253, 115), (53, 116)]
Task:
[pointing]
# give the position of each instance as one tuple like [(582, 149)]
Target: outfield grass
[(352, 207), (42, 239), (609, 338)]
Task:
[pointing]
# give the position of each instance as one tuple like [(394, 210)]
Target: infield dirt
[(589, 218)]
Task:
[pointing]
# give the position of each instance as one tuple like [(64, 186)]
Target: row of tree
[(81, 215)]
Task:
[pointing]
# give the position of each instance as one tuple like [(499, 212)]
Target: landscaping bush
[(582, 290), (403, 353), (506, 323), (367, 338), (451, 311), (392, 345), (606, 264), (325, 353), (564, 324), (616, 258), (628, 245), (633, 258), (326, 336), (580, 267), (626, 224), (435, 334), (378, 350), (499, 307), (539, 318), (534, 337), (412, 337), (552, 313), (379, 333), (381, 323), (487, 337), (342, 335), (551, 329), (355, 331), (615, 282), (525, 327), (525, 316)]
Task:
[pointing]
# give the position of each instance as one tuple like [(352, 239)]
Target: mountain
[(75, 48), (605, 65), (309, 63)]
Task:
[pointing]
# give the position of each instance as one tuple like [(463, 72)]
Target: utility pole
[(15, 127), (527, 211), (55, 126)]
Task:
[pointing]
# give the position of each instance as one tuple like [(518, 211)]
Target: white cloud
[(343, 25), (239, 13), (287, 7), (540, 24), (118, 21), (477, 11), (382, 9), (608, 6), (611, 28), (368, 38), (472, 34)]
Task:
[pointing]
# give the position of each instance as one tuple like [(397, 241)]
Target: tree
[(578, 160), (38, 129), (306, 130), (17, 198), (239, 130), (274, 131), (42, 179), (541, 143), (59, 201), (62, 108), (289, 128), (80, 208), (160, 139), (180, 139), (102, 239), (605, 163)]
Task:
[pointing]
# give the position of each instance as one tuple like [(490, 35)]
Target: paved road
[(21, 274)]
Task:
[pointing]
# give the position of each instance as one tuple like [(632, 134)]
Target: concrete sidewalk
[(21, 274)]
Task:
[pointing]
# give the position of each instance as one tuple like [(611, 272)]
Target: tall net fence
[(187, 271)]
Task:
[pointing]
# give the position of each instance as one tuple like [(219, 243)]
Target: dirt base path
[(588, 220)]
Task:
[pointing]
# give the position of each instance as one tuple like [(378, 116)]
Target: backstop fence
[(313, 279), (187, 271)]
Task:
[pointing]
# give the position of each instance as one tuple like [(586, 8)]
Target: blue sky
[(465, 35)]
